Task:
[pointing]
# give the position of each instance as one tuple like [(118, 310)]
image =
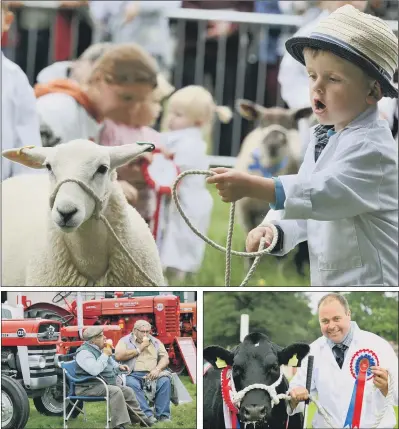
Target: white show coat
[(181, 248), (20, 123), (346, 206), (334, 386)]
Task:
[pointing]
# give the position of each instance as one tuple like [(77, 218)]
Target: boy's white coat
[(346, 206)]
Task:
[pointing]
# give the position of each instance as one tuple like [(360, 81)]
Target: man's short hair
[(141, 324), (333, 296), (127, 64)]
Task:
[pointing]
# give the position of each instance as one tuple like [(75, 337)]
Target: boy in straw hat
[(344, 199)]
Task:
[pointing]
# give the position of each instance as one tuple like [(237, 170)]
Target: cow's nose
[(253, 413), (66, 215)]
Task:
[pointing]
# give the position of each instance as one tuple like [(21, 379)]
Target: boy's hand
[(231, 184), (254, 236)]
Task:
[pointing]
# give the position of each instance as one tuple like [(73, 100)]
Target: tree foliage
[(285, 317), (282, 316)]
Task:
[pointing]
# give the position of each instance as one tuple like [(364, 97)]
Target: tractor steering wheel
[(60, 296)]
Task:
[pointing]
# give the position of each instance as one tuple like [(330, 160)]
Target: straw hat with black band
[(362, 39)]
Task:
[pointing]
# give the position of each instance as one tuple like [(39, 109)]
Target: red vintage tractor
[(162, 312), (28, 366)]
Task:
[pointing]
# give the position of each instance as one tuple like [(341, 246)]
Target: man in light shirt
[(146, 358)]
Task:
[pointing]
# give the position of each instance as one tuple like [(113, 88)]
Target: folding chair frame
[(76, 381)]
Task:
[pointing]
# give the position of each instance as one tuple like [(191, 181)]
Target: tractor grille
[(48, 332), (37, 356), (172, 321)]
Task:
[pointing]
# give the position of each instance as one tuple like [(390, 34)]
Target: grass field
[(183, 416), (312, 410), (268, 273)]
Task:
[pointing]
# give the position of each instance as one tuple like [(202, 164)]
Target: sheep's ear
[(305, 112), (249, 110), (30, 156), (121, 155)]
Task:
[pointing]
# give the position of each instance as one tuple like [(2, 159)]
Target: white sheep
[(52, 235)]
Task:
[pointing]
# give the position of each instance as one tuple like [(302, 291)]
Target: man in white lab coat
[(346, 361)]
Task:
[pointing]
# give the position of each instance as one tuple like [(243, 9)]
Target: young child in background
[(344, 199), (20, 122), (139, 129), (190, 112)]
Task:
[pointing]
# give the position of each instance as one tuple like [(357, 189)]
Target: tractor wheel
[(50, 403), (14, 404)]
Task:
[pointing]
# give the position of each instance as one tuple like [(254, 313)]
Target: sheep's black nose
[(254, 413), (67, 215)]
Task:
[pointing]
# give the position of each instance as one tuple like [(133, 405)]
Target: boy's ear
[(375, 93)]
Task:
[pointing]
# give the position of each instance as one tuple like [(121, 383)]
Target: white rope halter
[(98, 215), (236, 397)]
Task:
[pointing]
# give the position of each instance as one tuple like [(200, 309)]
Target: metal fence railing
[(230, 70)]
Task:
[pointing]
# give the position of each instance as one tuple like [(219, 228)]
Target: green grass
[(268, 273), (183, 416), (312, 410)]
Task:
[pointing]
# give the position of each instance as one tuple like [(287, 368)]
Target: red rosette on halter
[(160, 175)]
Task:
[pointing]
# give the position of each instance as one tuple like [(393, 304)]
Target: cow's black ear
[(298, 349), (212, 353)]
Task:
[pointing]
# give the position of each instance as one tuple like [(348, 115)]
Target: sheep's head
[(81, 160), (274, 123)]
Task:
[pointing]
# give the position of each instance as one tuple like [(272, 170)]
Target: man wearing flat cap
[(94, 358), (146, 358)]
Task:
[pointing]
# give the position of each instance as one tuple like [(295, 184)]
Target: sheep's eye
[(48, 166), (102, 169)]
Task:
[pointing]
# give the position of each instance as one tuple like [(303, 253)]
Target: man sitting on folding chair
[(147, 360), (94, 358)]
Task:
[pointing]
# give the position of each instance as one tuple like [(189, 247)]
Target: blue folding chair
[(69, 373)]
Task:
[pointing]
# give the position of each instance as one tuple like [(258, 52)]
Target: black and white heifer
[(256, 361)]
